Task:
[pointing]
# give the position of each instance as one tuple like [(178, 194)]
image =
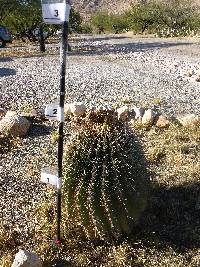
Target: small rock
[(189, 120), (103, 108), (162, 122), (34, 115), (148, 117), (2, 112), (67, 109), (13, 124), (77, 109), (139, 112), (122, 113), (189, 73), (26, 259), (198, 79)]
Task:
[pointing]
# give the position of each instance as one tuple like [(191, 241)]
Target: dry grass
[(169, 232)]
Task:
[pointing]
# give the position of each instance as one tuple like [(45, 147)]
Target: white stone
[(148, 117), (67, 109), (122, 113), (13, 124), (77, 109), (139, 112), (10, 113), (26, 259), (189, 120), (104, 108)]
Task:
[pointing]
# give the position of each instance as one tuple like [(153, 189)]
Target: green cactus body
[(113, 194), (97, 207), (105, 180)]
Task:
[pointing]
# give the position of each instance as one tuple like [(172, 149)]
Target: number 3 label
[(56, 13)]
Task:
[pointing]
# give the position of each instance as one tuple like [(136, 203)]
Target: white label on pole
[(60, 114), (55, 11), (51, 111), (49, 176)]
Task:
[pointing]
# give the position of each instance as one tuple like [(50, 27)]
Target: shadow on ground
[(5, 59), (172, 218), (37, 130), (104, 48), (7, 72)]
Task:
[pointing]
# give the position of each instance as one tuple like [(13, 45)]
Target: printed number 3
[(56, 13)]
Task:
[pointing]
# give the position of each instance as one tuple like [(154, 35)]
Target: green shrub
[(105, 183), (143, 17), (103, 22), (86, 28), (168, 19)]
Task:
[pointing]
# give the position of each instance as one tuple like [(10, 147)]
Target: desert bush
[(86, 28), (104, 22), (30, 19), (101, 22), (105, 181), (166, 19), (143, 17)]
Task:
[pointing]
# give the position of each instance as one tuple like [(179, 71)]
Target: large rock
[(189, 120), (122, 113), (14, 124), (148, 117), (26, 259)]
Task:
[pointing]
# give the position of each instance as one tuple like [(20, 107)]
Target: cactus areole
[(105, 179)]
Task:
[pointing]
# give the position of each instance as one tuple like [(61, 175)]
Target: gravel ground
[(106, 69)]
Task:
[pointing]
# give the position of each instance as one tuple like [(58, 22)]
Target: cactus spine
[(105, 179)]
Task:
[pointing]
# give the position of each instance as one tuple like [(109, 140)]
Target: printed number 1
[(56, 13)]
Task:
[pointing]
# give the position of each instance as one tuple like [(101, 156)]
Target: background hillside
[(88, 7)]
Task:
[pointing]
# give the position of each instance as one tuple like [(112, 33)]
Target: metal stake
[(63, 56), (41, 39)]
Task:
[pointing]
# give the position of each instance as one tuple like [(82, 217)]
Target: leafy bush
[(103, 22), (142, 17), (168, 19), (105, 181), (86, 28), (172, 18), (30, 19)]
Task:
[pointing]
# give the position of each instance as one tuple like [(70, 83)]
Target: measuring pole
[(41, 39), (63, 54), (57, 12)]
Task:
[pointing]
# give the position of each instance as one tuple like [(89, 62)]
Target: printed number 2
[(54, 111), (56, 13)]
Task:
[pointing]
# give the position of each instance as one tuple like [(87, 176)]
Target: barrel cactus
[(105, 182)]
